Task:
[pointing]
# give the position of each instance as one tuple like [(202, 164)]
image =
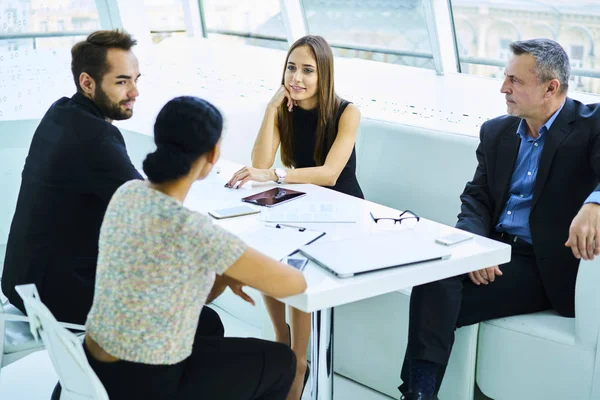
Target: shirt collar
[(522, 129), (88, 104)]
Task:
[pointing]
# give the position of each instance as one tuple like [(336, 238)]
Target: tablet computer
[(273, 197)]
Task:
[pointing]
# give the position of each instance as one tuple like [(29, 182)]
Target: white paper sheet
[(309, 212), (278, 243)]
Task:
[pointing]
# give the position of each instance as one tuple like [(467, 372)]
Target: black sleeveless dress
[(304, 142)]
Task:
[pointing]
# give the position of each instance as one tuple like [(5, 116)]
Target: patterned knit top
[(156, 266)]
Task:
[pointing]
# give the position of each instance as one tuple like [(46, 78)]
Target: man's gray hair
[(551, 60)]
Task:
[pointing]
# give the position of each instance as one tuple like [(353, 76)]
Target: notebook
[(355, 256), (310, 212), (278, 243)]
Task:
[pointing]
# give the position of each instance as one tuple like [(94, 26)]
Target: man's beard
[(110, 109)]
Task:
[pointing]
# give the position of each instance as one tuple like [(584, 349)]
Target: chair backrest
[(587, 303), (410, 180), (76, 377)]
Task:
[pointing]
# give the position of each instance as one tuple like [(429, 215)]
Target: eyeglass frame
[(397, 220)]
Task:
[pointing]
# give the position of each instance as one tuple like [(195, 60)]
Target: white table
[(325, 291)]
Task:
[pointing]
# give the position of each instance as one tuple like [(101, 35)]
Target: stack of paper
[(278, 243)]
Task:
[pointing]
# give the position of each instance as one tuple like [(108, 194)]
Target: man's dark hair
[(89, 55), (551, 60)]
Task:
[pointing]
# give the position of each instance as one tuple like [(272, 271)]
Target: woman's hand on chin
[(251, 174), (281, 95)]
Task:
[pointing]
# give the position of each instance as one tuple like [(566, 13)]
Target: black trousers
[(219, 368), (438, 308)]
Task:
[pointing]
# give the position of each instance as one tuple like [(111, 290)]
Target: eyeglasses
[(410, 220)]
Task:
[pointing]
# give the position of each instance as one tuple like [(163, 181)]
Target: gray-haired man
[(536, 188)]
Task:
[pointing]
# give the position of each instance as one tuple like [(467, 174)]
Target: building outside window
[(485, 27), (392, 26)]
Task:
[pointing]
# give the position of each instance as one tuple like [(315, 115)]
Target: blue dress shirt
[(514, 219)]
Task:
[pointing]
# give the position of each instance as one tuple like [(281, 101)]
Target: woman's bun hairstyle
[(185, 129)]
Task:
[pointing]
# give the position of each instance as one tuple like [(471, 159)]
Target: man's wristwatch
[(281, 174)]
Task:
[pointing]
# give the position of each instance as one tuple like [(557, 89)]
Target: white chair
[(371, 335), (543, 355), (377, 361), (76, 377), (16, 340)]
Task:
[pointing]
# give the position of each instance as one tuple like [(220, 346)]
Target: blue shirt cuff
[(593, 198)]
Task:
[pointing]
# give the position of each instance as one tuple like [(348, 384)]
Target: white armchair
[(77, 379), (376, 361), (544, 355), (16, 340)]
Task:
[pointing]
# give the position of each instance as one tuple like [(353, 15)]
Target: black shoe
[(417, 396), (56, 392), (306, 375)]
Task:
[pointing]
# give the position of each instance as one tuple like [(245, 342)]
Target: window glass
[(21, 19), (165, 18), (485, 28), (35, 41), (256, 22), (393, 31)]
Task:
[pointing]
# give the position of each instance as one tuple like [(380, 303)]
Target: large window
[(39, 24), (252, 22), (165, 18), (393, 31), (485, 28), (35, 38)]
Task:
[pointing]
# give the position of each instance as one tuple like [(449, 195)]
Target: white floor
[(33, 377)]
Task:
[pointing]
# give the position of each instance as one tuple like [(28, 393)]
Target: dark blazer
[(568, 173), (75, 163)]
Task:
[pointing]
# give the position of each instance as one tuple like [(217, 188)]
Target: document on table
[(309, 212), (278, 243)]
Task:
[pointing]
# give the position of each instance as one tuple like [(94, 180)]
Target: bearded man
[(76, 161)]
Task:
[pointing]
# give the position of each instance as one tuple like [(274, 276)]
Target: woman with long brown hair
[(316, 130)]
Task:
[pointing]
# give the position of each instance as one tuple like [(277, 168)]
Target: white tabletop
[(324, 289)]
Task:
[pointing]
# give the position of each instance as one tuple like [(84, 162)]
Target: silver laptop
[(350, 257)]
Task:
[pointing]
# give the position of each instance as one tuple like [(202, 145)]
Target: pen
[(300, 228), (279, 226)]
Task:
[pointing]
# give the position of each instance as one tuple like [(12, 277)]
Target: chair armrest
[(595, 394), (587, 303), (21, 318), (12, 317), (2, 336)]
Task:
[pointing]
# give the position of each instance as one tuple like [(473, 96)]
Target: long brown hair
[(328, 103)]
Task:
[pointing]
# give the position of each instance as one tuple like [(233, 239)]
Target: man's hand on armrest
[(584, 233)]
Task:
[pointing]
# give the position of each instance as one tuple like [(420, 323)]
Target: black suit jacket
[(76, 161), (568, 173)]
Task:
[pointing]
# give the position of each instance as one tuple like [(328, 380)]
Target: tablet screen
[(273, 197), (298, 263)]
